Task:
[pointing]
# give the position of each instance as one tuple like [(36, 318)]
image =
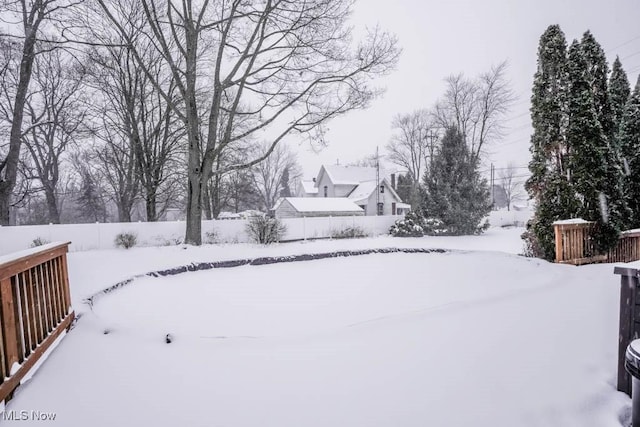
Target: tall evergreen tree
[(616, 210), (284, 183), (548, 184), (629, 139), (619, 92), (591, 156), (597, 70), (455, 192)]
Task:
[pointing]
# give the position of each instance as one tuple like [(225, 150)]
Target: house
[(361, 185), (296, 207)]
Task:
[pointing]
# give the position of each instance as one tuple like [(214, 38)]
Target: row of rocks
[(200, 266)]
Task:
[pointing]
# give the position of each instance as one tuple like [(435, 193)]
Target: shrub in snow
[(531, 247), (349, 233), (265, 230), (211, 237), (433, 227), (126, 240), (412, 225), (39, 241)]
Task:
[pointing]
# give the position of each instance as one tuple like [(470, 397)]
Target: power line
[(623, 44), (630, 55)]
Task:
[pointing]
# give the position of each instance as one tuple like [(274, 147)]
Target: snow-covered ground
[(475, 336)]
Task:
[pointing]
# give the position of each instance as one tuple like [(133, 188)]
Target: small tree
[(455, 192), (512, 187), (265, 230)]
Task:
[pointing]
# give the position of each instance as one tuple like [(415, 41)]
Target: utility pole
[(377, 182), (493, 173)]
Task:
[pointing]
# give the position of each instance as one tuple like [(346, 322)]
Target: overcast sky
[(443, 37)]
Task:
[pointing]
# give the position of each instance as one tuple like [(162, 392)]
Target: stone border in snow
[(200, 266)]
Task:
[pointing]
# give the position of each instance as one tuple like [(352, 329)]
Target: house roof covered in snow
[(349, 175), (321, 204), (363, 191), (309, 187)]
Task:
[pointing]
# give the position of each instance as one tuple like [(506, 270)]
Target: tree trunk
[(124, 210), (152, 209), (193, 234), (52, 206), (215, 197), (15, 136), (206, 199), (5, 202)]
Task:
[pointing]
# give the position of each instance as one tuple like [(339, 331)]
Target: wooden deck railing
[(35, 309), (574, 244)]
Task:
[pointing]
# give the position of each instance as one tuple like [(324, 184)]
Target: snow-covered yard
[(474, 336)]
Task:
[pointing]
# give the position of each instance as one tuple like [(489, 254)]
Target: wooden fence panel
[(574, 245), (35, 309)]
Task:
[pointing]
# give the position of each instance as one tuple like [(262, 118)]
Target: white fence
[(102, 235), (513, 217)]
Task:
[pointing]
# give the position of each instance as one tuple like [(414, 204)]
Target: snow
[(571, 221), (15, 367), (350, 175), (474, 336), (323, 204), (363, 191), (633, 232), (309, 187), (42, 359)]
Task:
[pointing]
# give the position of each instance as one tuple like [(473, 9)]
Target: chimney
[(393, 181)]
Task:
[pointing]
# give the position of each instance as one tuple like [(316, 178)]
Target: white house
[(376, 196), (295, 207)]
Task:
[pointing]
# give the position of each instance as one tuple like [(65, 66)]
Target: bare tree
[(476, 107), (138, 115), (285, 67), (512, 186), (31, 15), (267, 176), (412, 146), (91, 197), (117, 166), (55, 112), (368, 161)]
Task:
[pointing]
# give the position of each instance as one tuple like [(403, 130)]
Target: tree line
[(172, 102), (585, 142), (442, 149)]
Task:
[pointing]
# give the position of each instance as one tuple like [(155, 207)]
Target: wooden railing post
[(557, 228), (9, 324)]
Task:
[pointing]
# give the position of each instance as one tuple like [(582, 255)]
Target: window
[(326, 189), (393, 208), (380, 208), (382, 188)]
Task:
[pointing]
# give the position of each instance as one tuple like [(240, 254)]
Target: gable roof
[(321, 204), (348, 175), (309, 187), (364, 190)]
